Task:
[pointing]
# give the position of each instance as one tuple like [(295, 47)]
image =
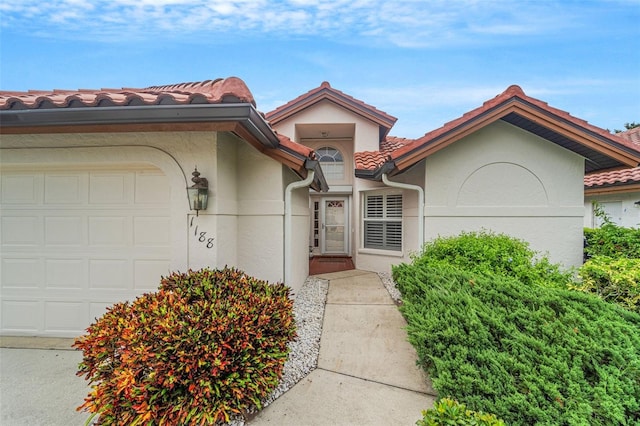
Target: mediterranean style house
[(104, 191), (617, 192)]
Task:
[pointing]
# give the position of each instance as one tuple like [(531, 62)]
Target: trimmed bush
[(487, 253), (610, 239), (208, 346), (613, 241), (450, 412), (527, 353), (613, 280)]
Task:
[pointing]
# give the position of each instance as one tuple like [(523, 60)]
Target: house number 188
[(202, 237)]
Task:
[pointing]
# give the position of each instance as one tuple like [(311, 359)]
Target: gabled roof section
[(327, 93), (623, 180), (212, 105), (601, 149)]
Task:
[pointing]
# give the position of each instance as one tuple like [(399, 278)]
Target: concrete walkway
[(367, 373)]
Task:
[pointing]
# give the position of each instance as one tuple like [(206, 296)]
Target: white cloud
[(405, 23)]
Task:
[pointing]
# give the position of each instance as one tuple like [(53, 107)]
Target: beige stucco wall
[(504, 179), (246, 199), (325, 112)]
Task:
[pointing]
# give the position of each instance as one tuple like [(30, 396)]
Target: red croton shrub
[(207, 346)]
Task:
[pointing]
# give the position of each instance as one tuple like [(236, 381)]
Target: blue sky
[(424, 62)]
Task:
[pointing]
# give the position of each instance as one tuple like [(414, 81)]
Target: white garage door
[(75, 241)]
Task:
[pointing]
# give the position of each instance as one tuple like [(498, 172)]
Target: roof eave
[(388, 167), (617, 188), (519, 106), (319, 182), (13, 121)]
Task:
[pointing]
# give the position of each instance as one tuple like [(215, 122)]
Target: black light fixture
[(198, 192)]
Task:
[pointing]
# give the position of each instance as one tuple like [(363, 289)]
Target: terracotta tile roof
[(632, 135), (326, 92), (228, 90), (514, 106), (369, 160), (393, 143), (617, 177), (624, 176)]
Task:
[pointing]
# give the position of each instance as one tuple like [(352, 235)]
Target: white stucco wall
[(260, 214), (621, 207), (504, 179)]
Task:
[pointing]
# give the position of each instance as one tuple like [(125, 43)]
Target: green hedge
[(528, 353), (487, 253)]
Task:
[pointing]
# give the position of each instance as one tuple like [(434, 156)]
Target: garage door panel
[(65, 188), (22, 316), (65, 230), (65, 273), (21, 273), (21, 230), (110, 188), (109, 274), (22, 189), (60, 316), (109, 231)]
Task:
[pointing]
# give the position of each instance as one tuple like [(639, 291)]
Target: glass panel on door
[(334, 226)]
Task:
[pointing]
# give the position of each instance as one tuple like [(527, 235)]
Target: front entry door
[(335, 229)]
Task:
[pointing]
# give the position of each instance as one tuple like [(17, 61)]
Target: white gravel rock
[(390, 285)]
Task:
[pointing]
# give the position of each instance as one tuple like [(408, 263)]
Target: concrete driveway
[(39, 386)]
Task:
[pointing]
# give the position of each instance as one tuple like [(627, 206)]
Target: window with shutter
[(383, 222)]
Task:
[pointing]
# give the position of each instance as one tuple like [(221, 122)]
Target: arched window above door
[(332, 163)]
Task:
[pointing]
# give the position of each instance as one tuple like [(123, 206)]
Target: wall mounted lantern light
[(198, 192)]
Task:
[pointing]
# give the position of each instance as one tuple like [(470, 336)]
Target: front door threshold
[(330, 263)]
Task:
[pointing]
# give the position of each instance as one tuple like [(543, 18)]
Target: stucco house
[(617, 192), (94, 204), (94, 200)]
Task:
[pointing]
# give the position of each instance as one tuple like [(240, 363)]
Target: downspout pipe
[(288, 224), (410, 187)]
